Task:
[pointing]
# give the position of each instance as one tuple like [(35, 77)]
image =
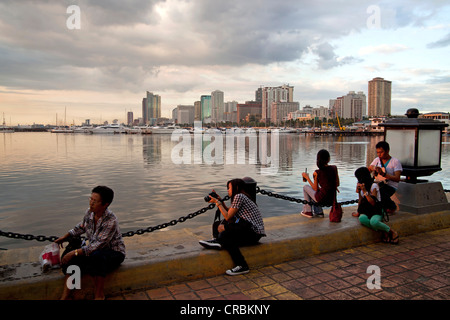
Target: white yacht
[(6, 130), (109, 129), (197, 130), (84, 129), (286, 130), (166, 129), (213, 131), (62, 130), (133, 130), (236, 130), (145, 129)]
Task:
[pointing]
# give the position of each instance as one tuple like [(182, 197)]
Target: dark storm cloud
[(119, 12), (271, 31), (328, 59), (123, 44)]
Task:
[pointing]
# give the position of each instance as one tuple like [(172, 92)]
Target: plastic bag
[(50, 257)]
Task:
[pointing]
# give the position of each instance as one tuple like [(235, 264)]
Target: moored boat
[(109, 129), (83, 129), (61, 130), (4, 128), (165, 129)]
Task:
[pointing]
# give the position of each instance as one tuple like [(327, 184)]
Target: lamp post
[(416, 142)]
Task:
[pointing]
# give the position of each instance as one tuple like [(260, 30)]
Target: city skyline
[(99, 66)]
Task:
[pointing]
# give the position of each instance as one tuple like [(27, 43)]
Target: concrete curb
[(172, 256)]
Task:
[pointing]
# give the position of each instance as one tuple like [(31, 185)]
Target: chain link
[(42, 238), (283, 197)]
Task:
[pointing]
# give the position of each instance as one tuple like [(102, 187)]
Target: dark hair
[(323, 157), (363, 175), (383, 145), (237, 186), (105, 193)]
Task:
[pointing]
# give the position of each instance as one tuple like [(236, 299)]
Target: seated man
[(387, 172), (105, 250)]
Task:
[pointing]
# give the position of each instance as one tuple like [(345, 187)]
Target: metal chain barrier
[(125, 234), (15, 235), (41, 238), (283, 197)]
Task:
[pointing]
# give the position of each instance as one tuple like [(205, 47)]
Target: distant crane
[(339, 123)]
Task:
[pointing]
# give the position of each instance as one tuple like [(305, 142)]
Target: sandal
[(355, 214), (393, 237)]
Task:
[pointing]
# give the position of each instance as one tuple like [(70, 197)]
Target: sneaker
[(307, 214), (210, 244), (237, 271)]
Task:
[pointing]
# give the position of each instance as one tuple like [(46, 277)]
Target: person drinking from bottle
[(321, 191)]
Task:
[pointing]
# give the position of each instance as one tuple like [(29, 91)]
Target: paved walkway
[(416, 269)]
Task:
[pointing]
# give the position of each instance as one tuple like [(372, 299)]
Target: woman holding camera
[(242, 225)]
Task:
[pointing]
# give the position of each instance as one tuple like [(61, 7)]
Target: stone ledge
[(171, 256)]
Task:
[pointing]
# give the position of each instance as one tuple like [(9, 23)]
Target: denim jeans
[(310, 195)]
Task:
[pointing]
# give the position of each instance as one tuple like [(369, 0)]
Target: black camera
[(212, 194)]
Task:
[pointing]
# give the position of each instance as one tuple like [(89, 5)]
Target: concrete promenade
[(299, 259), (418, 269)]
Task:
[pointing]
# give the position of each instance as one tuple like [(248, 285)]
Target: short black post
[(250, 187)]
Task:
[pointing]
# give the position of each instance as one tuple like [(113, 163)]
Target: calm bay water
[(46, 179)]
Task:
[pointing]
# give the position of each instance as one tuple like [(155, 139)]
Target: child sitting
[(369, 206)]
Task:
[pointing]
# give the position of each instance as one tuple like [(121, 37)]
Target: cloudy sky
[(182, 49)]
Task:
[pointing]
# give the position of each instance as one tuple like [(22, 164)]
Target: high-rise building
[(379, 97), (350, 106), (247, 109), (354, 105), (269, 95), (230, 111), (205, 102), (185, 114), (258, 95), (197, 110), (130, 118), (336, 107), (281, 110), (230, 106), (144, 110), (151, 108), (217, 106)]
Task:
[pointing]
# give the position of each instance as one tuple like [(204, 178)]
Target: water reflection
[(151, 149)]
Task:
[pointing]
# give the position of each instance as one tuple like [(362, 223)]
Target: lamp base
[(422, 197)]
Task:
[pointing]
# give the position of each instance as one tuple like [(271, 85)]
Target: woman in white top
[(369, 205)]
